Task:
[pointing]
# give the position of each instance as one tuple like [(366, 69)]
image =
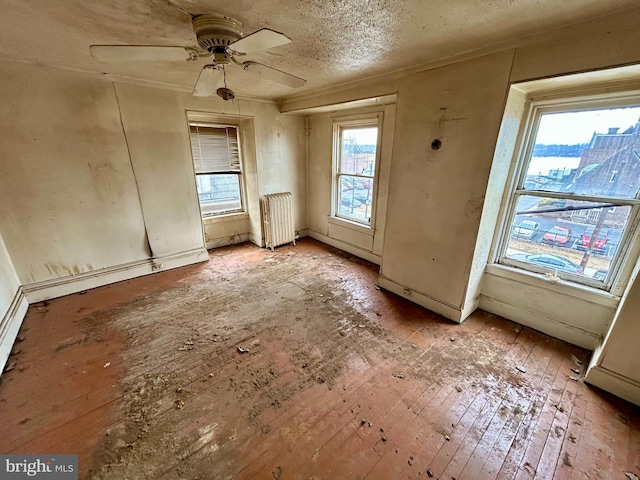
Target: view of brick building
[(609, 165)]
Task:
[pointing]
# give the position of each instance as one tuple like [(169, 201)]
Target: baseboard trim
[(421, 299), (10, 325), (58, 287), (549, 326), (347, 247), (614, 383), (469, 308)]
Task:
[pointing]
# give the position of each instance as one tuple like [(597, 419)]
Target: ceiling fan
[(220, 39)]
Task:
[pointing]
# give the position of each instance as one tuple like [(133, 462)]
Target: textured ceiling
[(334, 41)]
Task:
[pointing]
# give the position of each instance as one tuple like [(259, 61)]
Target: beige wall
[(436, 196), (98, 177), (68, 192)]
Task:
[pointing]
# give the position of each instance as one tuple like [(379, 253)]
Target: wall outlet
[(156, 266)]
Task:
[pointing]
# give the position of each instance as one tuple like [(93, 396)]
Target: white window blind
[(215, 149)]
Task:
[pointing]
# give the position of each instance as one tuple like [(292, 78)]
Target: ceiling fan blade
[(275, 75), (208, 81), (261, 40), (142, 53)]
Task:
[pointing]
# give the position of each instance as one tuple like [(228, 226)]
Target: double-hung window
[(217, 165), (355, 159), (573, 209)]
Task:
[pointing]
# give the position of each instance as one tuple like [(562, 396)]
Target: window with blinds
[(217, 165), (215, 148)]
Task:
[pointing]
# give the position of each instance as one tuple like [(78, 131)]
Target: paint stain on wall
[(473, 207)]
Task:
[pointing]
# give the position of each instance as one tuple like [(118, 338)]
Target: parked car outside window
[(525, 229), (598, 244), (554, 262), (558, 235)]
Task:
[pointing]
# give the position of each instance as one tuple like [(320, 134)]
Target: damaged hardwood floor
[(291, 364)]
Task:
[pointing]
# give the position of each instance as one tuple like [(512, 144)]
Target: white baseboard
[(549, 326), (58, 287), (347, 247), (444, 309), (10, 325), (469, 308), (614, 383)]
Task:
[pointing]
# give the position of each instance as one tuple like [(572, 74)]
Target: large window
[(355, 158), (216, 158), (573, 208)]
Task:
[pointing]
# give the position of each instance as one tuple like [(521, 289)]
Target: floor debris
[(520, 368)]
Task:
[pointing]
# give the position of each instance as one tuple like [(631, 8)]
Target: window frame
[(535, 107), (339, 125), (216, 124)]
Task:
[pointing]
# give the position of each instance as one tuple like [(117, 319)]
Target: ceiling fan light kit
[(220, 39)]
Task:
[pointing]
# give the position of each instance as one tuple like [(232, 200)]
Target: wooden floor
[(338, 380)]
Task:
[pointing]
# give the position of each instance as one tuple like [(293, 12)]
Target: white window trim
[(629, 246), (363, 120), (201, 119)]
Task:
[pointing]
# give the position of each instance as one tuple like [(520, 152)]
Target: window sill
[(358, 227), (208, 219), (562, 287)]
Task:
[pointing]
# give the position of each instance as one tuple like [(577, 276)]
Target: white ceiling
[(334, 41)]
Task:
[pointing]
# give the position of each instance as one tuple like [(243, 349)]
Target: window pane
[(219, 193), (358, 150), (559, 234), (594, 152), (354, 197)]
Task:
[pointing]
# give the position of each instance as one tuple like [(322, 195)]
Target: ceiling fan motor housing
[(216, 32)]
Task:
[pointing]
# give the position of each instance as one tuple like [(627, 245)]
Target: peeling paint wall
[(98, 176), (67, 189)]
